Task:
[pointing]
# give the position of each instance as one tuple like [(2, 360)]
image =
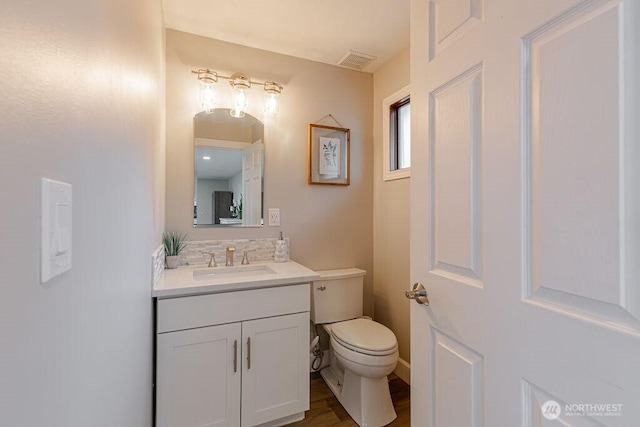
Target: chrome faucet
[(230, 251)]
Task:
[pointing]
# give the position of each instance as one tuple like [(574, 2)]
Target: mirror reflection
[(229, 170)]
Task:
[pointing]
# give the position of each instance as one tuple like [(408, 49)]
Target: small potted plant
[(174, 243)]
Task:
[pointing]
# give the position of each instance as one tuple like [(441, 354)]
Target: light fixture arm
[(205, 73), (240, 83)]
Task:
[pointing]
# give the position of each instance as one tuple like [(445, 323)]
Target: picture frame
[(329, 155)]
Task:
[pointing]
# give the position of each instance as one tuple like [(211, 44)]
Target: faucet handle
[(212, 259), (245, 258)]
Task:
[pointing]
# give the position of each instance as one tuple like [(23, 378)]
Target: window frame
[(390, 151)]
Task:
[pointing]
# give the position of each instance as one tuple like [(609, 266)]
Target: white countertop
[(180, 281)]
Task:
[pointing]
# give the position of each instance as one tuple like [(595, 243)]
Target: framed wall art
[(329, 155)]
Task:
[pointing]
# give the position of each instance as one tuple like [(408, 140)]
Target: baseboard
[(403, 371)]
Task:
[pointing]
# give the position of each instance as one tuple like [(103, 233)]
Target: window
[(400, 137), (397, 135)]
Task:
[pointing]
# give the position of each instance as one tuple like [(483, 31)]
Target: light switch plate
[(274, 217), (55, 242)]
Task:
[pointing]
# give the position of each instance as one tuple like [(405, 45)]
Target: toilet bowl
[(367, 348), (362, 352)]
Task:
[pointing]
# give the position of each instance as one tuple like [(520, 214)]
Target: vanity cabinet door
[(275, 377), (196, 384)]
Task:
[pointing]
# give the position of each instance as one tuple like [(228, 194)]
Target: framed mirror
[(229, 170)]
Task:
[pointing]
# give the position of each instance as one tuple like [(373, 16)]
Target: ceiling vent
[(356, 60)]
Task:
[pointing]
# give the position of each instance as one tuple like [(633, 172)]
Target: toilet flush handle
[(321, 288)]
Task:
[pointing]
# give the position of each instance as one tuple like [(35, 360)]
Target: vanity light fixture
[(273, 91), (206, 157), (240, 85), (207, 79)]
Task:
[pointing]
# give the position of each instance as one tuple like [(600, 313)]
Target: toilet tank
[(337, 295)]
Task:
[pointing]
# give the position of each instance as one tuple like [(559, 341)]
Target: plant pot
[(172, 261)]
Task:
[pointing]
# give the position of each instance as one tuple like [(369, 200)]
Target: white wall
[(329, 227), (235, 185), (81, 84), (391, 219)]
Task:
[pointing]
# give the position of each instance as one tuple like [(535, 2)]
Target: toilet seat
[(365, 336)]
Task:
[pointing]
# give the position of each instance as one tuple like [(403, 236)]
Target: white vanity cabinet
[(196, 383), (233, 359)]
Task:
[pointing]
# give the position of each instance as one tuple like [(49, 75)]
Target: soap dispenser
[(282, 250)]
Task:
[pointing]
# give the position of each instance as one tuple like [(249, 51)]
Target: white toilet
[(362, 352)]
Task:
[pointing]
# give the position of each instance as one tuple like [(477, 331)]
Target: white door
[(198, 377), (275, 376), (252, 183), (525, 212)]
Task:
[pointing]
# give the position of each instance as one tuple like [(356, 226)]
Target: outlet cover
[(274, 217)]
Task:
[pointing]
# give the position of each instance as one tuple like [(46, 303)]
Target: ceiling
[(322, 31), (222, 164)]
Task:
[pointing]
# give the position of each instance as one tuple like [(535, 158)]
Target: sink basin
[(232, 272)]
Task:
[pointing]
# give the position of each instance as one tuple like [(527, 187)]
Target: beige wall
[(330, 227), (82, 92), (226, 131), (391, 217)]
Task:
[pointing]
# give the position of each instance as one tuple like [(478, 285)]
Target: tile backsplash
[(262, 250), (157, 264)]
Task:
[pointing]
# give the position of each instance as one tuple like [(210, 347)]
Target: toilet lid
[(365, 336)]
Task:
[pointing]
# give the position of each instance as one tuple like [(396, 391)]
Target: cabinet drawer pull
[(249, 353), (235, 356)]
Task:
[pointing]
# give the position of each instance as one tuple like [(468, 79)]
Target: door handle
[(248, 353), (235, 356), (418, 293)]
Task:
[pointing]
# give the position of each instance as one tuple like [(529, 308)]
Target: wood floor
[(326, 411)]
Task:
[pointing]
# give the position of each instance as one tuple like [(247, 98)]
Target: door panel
[(450, 21), (574, 261), (275, 378), (252, 159), (455, 145), (534, 401), (524, 185), (196, 384), (457, 389)]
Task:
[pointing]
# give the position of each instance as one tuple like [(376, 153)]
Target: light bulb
[(271, 106), (273, 90), (240, 104), (207, 96)]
